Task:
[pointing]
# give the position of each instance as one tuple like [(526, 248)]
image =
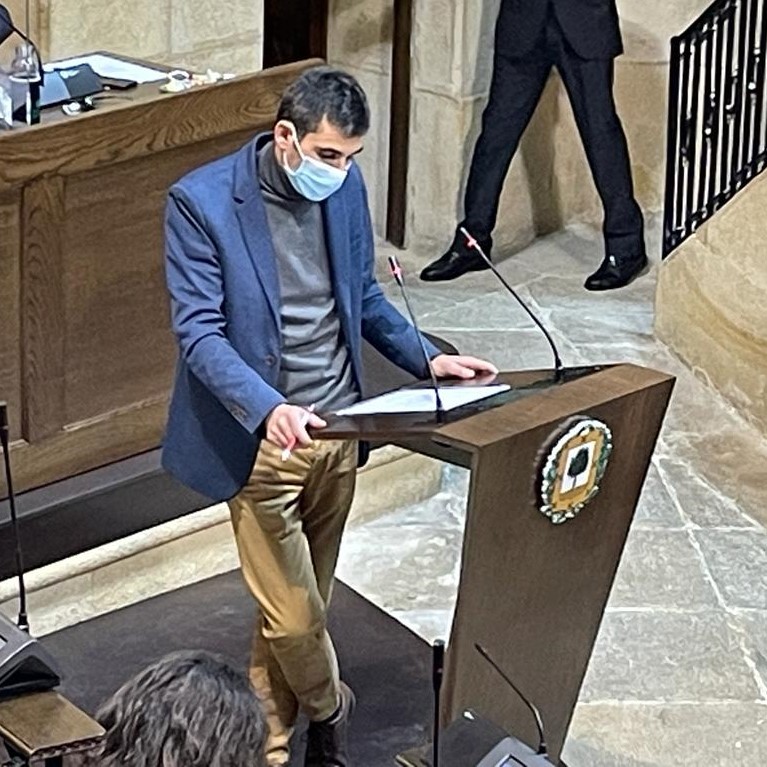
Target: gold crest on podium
[(573, 467)]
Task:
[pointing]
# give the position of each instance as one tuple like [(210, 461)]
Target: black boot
[(326, 742), (616, 272), (458, 260)]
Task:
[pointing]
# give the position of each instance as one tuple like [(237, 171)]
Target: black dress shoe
[(326, 742), (617, 272), (458, 260)]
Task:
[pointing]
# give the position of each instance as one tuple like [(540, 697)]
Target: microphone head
[(471, 242), (3, 414), (395, 268), (438, 662), (6, 25)]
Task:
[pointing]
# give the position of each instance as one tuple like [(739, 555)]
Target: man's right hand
[(286, 426)]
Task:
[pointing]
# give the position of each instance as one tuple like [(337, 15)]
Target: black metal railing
[(717, 126)]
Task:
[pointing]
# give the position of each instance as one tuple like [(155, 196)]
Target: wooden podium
[(532, 592)]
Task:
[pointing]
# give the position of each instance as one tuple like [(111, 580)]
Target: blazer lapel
[(336, 220), (251, 214)]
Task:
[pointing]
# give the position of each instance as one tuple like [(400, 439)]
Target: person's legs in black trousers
[(516, 89), (589, 84), (514, 93)]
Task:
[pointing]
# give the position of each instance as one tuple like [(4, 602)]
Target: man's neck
[(272, 176)]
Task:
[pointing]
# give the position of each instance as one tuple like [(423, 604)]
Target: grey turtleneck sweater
[(315, 368)]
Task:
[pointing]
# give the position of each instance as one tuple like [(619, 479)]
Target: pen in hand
[(286, 453)]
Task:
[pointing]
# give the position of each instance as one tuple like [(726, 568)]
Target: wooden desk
[(86, 352)]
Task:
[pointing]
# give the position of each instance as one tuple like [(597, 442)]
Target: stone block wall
[(17, 10), (191, 34), (710, 304), (360, 41), (549, 184)]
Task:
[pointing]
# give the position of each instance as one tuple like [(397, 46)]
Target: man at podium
[(270, 269)]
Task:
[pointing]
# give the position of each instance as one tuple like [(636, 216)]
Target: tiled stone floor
[(679, 673)]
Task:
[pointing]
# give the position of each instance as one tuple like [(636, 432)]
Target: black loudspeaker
[(25, 665)]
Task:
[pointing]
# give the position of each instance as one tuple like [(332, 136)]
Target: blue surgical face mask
[(314, 179)]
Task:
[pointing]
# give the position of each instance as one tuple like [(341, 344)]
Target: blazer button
[(270, 360)]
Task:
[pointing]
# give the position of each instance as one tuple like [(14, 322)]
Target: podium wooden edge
[(422, 427)]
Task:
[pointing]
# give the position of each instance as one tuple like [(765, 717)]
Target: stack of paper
[(423, 400)]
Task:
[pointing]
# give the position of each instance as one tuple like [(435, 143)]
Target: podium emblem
[(574, 464)]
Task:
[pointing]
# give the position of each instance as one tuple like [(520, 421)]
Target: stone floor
[(679, 674)]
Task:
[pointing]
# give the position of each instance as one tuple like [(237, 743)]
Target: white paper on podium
[(423, 400), (108, 66)]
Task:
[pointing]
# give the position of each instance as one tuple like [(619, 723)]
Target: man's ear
[(284, 133)]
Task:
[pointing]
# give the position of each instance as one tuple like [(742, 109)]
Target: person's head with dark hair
[(189, 709), (325, 93), (321, 122)]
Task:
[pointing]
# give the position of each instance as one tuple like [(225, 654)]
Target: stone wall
[(17, 10), (192, 34), (549, 185), (359, 40), (710, 304)]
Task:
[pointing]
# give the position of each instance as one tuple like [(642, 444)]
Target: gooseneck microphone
[(396, 272), (22, 622), (474, 245), (25, 665), (542, 749)]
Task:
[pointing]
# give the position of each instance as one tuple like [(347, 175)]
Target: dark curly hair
[(326, 92), (189, 709)]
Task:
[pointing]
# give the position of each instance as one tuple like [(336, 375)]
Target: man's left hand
[(458, 366)]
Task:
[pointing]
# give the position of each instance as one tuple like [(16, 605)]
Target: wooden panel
[(120, 350), (42, 308), (89, 445), (147, 124), (532, 592), (90, 330), (10, 330)]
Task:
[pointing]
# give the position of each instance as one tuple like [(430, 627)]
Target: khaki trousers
[(288, 522)]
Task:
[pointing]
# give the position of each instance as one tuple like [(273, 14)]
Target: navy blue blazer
[(225, 304)]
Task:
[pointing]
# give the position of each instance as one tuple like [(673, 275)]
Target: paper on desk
[(107, 66), (422, 400)]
